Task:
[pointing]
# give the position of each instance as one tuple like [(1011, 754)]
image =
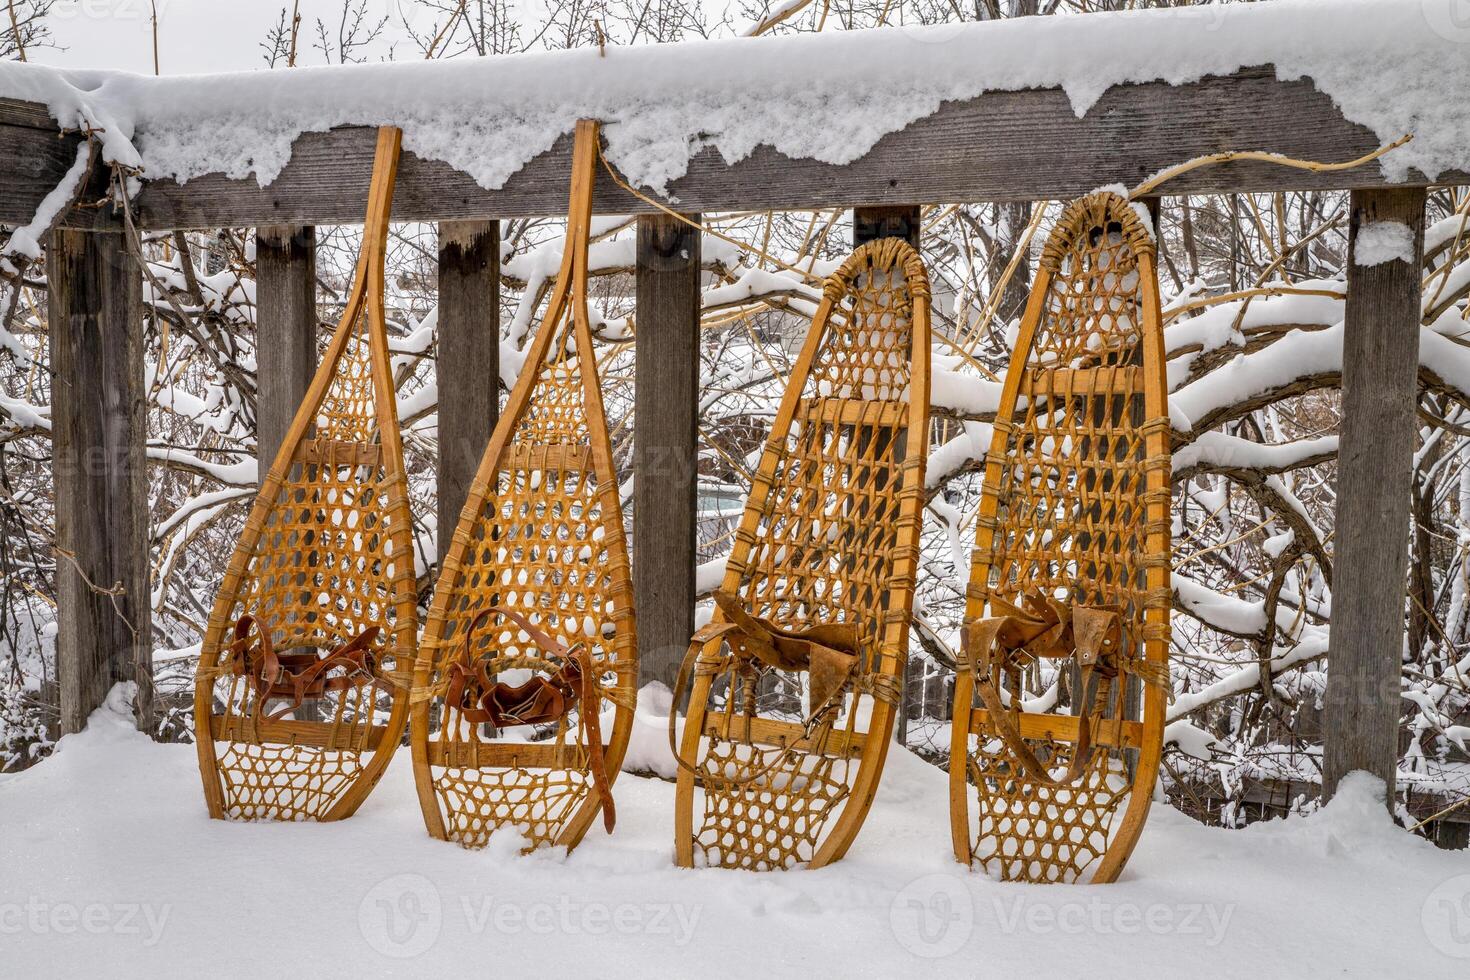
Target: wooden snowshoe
[(536, 581), (301, 695), (796, 679), (1069, 588)]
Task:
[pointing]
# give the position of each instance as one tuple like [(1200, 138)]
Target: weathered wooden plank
[(1374, 475), (98, 437), (285, 328), (1001, 146), (468, 362), (33, 115), (34, 161), (666, 452)]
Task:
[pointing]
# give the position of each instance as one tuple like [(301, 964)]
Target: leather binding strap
[(542, 700), (1043, 627), (299, 677), (829, 653)]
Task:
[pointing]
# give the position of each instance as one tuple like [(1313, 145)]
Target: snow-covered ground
[(111, 868)]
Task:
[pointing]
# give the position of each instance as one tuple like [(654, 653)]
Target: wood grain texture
[(666, 453), (467, 364), (1375, 465), (1091, 528), (98, 435), (1001, 146), (582, 573), (286, 327), (35, 160)]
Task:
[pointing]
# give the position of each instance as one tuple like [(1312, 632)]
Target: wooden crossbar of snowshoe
[(324, 563), (1074, 512), (550, 455)]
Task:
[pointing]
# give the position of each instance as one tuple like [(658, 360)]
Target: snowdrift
[(112, 866)]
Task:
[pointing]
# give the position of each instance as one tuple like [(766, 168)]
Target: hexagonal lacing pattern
[(540, 546), (775, 820), (1029, 831), (537, 803), (325, 555)]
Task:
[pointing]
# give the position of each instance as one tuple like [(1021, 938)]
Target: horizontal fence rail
[(1000, 146)]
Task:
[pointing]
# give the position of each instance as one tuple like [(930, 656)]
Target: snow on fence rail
[(1032, 108)]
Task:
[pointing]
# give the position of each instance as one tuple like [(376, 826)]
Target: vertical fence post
[(285, 331), (104, 636), (1374, 475), (886, 221), (870, 224), (467, 365), (666, 452)]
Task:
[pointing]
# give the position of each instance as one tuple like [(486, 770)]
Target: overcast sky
[(193, 35)]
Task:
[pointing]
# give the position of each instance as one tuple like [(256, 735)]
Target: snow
[(1190, 739), (1301, 356), (708, 575), (1444, 290), (113, 868), (756, 283), (1444, 231), (1228, 613), (1383, 241), (1313, 302), (241, 473), (969, 446), (827, 97), (1225, 450), (1313, 645), (648, 745), (963, 393)]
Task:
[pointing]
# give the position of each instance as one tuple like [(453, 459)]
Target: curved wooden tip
[(1088, 212)]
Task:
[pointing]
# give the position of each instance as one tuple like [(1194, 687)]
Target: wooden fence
[(1010, 146)]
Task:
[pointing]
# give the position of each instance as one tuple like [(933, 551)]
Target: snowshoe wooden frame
[(325, 562), (541, 533), (1076, 509), (830, 535)]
